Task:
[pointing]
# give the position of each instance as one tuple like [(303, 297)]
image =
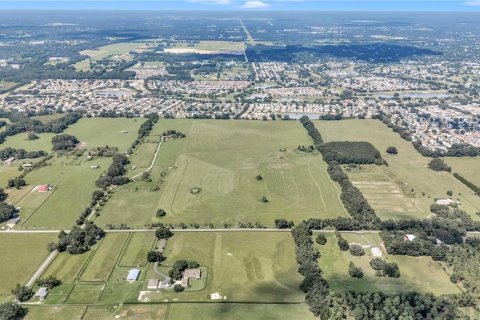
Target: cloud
[(255, 5), (473, 3)]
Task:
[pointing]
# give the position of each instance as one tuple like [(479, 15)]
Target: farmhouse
[(43, 188), (190, 274), (133, 275), (41, 293)]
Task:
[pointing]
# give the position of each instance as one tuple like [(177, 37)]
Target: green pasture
[(99, 132), (420, 274), (223, 46), (223, 159), (21, 256), (467, 167), (20, 141), (407, 187), (74, 185), (242, 266), (62, 312), (131, 312), (135, 254), (85, 294)]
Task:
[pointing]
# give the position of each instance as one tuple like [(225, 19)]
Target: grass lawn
[(98, 132), (420, 274), (223, 159), (21, 255), (9, 172), (229, 311), (57, 312), (467, 167), (19, 141), (135, 254), (67, 267), (74, 186), (243, 267), (85, 294), (131, 312), (407, 171), (48, 117), (142, 158), (105, 257)]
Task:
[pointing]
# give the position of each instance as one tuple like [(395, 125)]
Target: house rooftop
[(133, 275)]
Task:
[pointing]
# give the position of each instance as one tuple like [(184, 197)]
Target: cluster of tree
[(64, 142), (163, 232), (16, 183), (308, 149), (313, 285), (160, 213), (330, 117), (147, 126), (23, 123), (353, 199), (469, 184), (50, 282), (154, 256), (438, 164), (354, 271), (312, 132), (385, 269), (341, 242), (12, 311), (392, 150), (321, 239), (78, 240), (283, 224), (22, 293), (3, 123), (105, 151), (20, 154), (173, 133), (180, 266), (345, 152), (356, 250), (7, 211), (115, 174)]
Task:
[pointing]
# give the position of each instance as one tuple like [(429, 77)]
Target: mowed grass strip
[(467, 167), (241, 266), (407, 170), (63, 312), (135, 254), (20, 141), (104, 258), (66, 267), (85, 294), (223, 159), (133, 312), (99, 132), (420, 274), (21, 255), (74, 185), (234, 311)]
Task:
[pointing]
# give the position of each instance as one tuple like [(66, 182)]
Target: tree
[(64, 142), (49, 282), (161, 213), (264, 199), (392, 150), (32, 136), (12, 311), (178, 288), (438, 164), (377, 263), (321, 239), (259, 177), (391, 270), (283, 224), (163, 233), (343, 244), (356, 250), (179, 266), (22, 293), (3, 195), (6, 212), (154, 256), (355, 272)]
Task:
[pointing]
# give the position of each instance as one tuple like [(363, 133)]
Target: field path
[(152, 163), (318, 187), (42, 268)]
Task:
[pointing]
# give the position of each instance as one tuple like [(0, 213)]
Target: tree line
[(20, 154)]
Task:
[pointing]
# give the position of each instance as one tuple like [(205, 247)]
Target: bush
[(154, 256), (161, 213), (343, 244), (49, 282), (22, 293), (321, 239), (392, 150), (178, 288), (438, 164), (355, 272), (356, 250), (377, 264), (283, 224)]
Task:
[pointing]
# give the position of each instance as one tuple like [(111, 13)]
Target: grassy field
[(467, 167), (218, 311), (131, 312), (256, 267), (223, 159), (389, 189), (105, 257), (57, 312), (142, 158), (67, 267), (420, 274), (135, 254), (74, 186), (19, 141), (109, 50), (99, 132), (21, 255), (85, 294), (212, 46)]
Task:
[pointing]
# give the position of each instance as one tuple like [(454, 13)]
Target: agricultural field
[(467, 167), (244, 267), (404, 189), (21, 255), (420, 274), (73, 184), (222, 160), (20, 141), (99, 132), (207, 47)]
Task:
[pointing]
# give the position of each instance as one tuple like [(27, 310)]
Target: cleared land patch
[(407, 170), (223, 159), (420, 274), (241, 266), (21, 255)]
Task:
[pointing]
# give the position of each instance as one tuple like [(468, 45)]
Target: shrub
[(355, 272), (343, 244), (438, 164), (392, 150), (161, 213), (178, 288), (321, 239), (356, 250)]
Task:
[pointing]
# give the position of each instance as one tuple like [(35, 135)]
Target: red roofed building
[(43, 188)]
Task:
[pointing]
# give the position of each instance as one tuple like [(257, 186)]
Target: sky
[(247, 5)]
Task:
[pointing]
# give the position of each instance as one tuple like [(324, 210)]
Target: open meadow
[(467, 167), (407, 187), (20, 141), (207, 47), (21, 255), (420, 274), (221, 160), (242, 266)]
